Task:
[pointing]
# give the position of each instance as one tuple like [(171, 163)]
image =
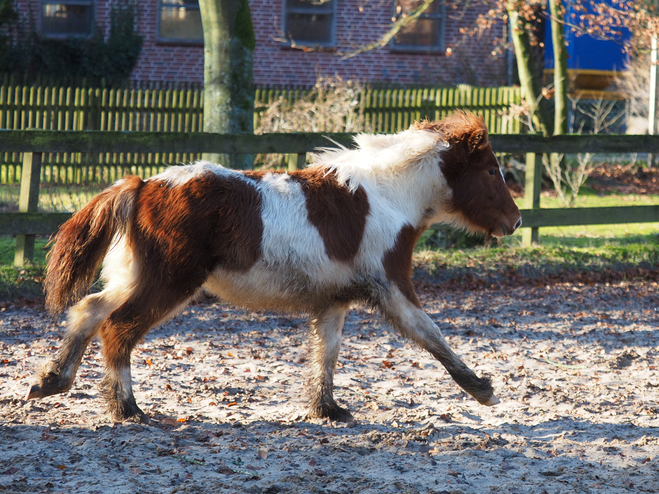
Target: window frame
[(441, 34), (175, 41), (331, 43), (92, 22)]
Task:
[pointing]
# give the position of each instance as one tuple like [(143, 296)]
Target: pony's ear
[(477, 139)]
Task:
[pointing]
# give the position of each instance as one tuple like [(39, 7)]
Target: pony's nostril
[(518, 224)]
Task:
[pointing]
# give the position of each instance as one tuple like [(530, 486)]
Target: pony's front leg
[(407, 316), (326, 329)]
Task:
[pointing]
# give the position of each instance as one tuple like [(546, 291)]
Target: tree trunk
[(560, 67), (228, 87), (528, 78)]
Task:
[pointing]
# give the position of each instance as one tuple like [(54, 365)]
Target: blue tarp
[(586, 52)]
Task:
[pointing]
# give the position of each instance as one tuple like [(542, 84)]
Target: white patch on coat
[(179, 175), (294, 266)]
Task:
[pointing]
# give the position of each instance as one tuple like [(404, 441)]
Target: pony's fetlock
[(121, 402)]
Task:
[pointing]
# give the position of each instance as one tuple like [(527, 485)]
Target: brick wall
[(358, 22)]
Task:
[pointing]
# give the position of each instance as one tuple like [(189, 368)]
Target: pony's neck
[(419, 192)]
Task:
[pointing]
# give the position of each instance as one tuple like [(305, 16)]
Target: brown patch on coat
[(397, 262), (178, 236), (209, 221), (338, 214), (473, 174)]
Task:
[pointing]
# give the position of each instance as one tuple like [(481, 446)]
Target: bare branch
[(402, 21)]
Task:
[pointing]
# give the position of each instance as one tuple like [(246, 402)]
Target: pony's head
[(480, 200)]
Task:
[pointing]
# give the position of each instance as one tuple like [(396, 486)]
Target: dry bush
[(333, 105), (634, 84)]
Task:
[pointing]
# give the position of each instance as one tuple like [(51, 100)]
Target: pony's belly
[(279, 288)]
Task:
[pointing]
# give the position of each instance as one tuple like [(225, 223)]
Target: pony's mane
[(379, 157), (456, 126), (383, 156)]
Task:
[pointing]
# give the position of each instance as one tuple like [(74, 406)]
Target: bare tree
[(569, 176)]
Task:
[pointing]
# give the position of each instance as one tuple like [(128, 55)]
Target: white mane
[(380, 157)]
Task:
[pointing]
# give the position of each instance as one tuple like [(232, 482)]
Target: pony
[(313, 241)]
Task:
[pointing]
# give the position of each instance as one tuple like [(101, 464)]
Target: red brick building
[(297, 40)]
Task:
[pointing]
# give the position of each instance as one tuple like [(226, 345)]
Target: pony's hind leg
[(122, 330), (326, 329), (83, 322)]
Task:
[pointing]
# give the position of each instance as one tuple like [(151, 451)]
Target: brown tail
[(82, 242)]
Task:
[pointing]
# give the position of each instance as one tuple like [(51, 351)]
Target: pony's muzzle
[(509, 225)]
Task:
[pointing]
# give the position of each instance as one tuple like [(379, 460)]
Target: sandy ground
[(575, 367)]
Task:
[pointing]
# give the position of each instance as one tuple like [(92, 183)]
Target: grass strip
[(24, 283), (545, 264)]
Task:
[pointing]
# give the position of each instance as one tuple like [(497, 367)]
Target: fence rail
[(60, 108), (34, 143)]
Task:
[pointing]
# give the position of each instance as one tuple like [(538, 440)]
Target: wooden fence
[(181, 110), (33, 144), (60, 108)]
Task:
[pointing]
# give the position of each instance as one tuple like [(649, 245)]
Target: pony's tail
[(83, 241)]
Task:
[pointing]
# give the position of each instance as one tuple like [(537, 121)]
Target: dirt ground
[(575, 367)]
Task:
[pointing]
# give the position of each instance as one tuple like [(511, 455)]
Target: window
[(309, 22), (427, 33), (65, 19), (180, 20)]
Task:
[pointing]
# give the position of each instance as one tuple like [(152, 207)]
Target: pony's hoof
[(128, 412), (49, 384), (33, 392), (335, 413), (492, 401), (136, 418)]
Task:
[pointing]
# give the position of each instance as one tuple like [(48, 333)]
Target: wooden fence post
[(28, 203), (532, 194), (297, 161)]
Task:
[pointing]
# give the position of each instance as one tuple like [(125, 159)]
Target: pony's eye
[(492, 171)]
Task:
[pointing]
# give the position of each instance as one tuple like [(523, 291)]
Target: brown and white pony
[(316, 240)]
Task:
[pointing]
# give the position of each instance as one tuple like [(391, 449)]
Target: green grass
[(21, 283), (467, 267), (8, 248), (537, 263), (24, 282)]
